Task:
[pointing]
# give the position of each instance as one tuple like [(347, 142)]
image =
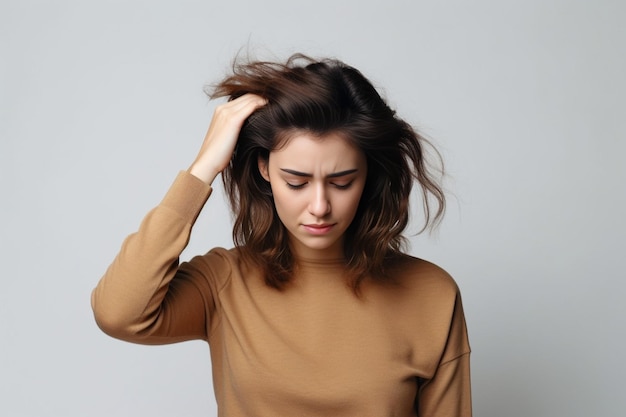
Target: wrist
[(202, 172)]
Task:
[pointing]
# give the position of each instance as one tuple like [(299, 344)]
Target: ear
[(263, 168)]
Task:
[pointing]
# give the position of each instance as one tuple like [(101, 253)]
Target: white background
[(101, 104)]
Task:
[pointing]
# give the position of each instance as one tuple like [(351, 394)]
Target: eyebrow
[(333, 175)]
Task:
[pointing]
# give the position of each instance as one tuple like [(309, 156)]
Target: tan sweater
[(314, 349)]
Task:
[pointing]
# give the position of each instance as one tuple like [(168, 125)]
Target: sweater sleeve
[(448, 392), (145, 296)]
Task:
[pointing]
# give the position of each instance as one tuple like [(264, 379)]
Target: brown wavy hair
[(320, 97)]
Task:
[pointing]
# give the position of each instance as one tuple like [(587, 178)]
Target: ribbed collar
[(309, 265)]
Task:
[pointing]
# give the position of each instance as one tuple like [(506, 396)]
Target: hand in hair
[(221, 138)]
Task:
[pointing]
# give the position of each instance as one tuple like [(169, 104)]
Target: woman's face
[(317, 183)]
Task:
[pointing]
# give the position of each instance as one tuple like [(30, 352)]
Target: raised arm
[(145, 296)]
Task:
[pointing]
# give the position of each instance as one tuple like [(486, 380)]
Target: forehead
[(329, 149)]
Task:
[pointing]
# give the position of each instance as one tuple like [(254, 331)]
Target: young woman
[(316, 311)]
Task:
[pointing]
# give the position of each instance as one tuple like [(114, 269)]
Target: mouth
[(318, 229)]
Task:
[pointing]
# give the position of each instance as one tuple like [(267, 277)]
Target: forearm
[(128, 300)]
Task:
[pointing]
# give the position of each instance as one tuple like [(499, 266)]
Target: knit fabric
[(312, 349)]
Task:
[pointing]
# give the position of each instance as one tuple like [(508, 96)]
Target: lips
[(318, 229)]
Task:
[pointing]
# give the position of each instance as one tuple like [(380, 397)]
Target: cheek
[(349, 204), (286, 205)]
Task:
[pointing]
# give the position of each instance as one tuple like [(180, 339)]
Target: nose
[(319, 206)]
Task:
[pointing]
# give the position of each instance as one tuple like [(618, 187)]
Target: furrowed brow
[(296, 173), (342, 173), (333, 175)]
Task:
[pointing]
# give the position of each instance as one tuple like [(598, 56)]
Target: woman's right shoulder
[(218, 259), (221, 263)]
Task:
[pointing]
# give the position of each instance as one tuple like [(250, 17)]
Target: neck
[(331, 254), (324, 269)]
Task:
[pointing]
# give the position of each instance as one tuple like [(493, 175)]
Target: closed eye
[(343, 186), (296, 186)]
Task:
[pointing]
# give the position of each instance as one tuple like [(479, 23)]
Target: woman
[(316, 311)]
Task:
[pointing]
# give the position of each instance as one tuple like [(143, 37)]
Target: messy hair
[(322, 97)]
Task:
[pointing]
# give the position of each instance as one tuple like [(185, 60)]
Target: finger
[(245, 104), (246, 101)]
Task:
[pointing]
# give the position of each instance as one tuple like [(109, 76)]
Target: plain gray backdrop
[(101, 105)]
